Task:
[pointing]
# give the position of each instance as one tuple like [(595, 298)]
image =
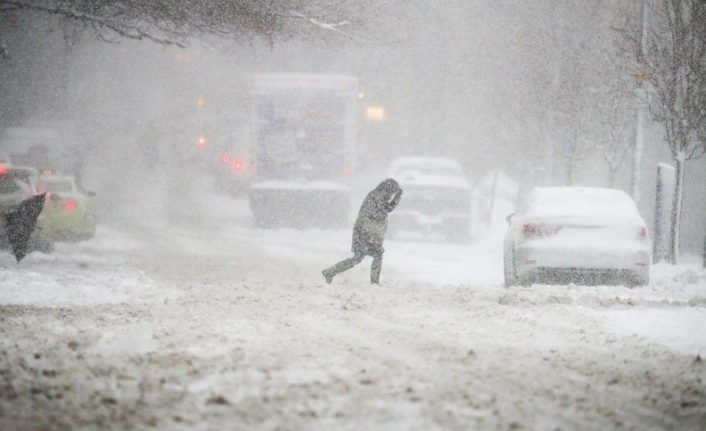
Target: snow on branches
[(174, 21)]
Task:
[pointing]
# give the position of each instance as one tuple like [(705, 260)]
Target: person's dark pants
[(349, 263)]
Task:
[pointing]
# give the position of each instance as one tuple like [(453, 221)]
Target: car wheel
[(525, 282), (509, 279), (510, 274), (637, 282), (43, 245), (85, 236)]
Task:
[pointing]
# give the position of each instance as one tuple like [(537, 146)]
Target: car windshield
[(56, 186)]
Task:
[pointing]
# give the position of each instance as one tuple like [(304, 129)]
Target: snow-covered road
[(220, 326)]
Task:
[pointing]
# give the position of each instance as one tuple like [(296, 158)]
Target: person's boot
[(375, 269), (341, 266)]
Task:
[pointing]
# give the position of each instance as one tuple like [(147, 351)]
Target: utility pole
[(639, 121)]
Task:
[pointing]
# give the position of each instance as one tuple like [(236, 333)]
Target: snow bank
[(682, 328), (679, 329), (88, 273)]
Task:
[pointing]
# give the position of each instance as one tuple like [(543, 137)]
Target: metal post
[(661, 236)]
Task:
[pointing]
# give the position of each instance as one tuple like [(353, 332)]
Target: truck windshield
[(302, 135)]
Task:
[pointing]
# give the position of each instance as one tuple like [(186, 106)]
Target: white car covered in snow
[(579, 235), (436, 200)]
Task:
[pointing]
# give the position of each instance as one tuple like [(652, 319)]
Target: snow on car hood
[(416, 178)]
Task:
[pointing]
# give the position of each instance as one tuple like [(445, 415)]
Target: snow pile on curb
[(87, 273)]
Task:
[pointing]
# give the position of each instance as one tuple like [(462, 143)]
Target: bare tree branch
[(173, 22), (676, 54)]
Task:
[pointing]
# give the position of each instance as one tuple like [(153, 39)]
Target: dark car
[(437, 198)]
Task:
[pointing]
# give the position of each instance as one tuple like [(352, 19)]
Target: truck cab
[(303, 149)]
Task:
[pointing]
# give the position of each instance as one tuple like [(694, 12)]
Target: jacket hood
[(388, 187)]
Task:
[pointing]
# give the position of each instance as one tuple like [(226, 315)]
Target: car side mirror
[(509, 218)]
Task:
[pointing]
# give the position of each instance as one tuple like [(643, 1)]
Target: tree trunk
[(611, 177), (570, 164), (676, 210), (493, 191), (638, 155), (640, 120)]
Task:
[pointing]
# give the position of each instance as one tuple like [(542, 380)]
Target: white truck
[(302, 150)]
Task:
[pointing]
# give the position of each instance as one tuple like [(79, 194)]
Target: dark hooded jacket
[(371, 224)]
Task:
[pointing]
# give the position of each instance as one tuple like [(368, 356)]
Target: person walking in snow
[(369, 230)]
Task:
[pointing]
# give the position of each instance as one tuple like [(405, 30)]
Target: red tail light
[(70, 206), (225, 158), (348, 172), (531, 230), (238, 165), (202, 143), (3, 170)]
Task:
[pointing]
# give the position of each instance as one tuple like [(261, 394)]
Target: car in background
[(581, 235), (71, 214), (436, 200), (18, 183), (44, 145), (234, 173)]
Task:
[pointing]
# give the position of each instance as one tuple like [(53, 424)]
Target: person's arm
[(392, 204)]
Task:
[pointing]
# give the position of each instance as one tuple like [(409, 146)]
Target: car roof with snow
[(19, 171), (580, 201), (54, 136), (428, 171)]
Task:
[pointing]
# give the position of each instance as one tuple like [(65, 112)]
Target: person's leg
[(375, 269), (341, 266)]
